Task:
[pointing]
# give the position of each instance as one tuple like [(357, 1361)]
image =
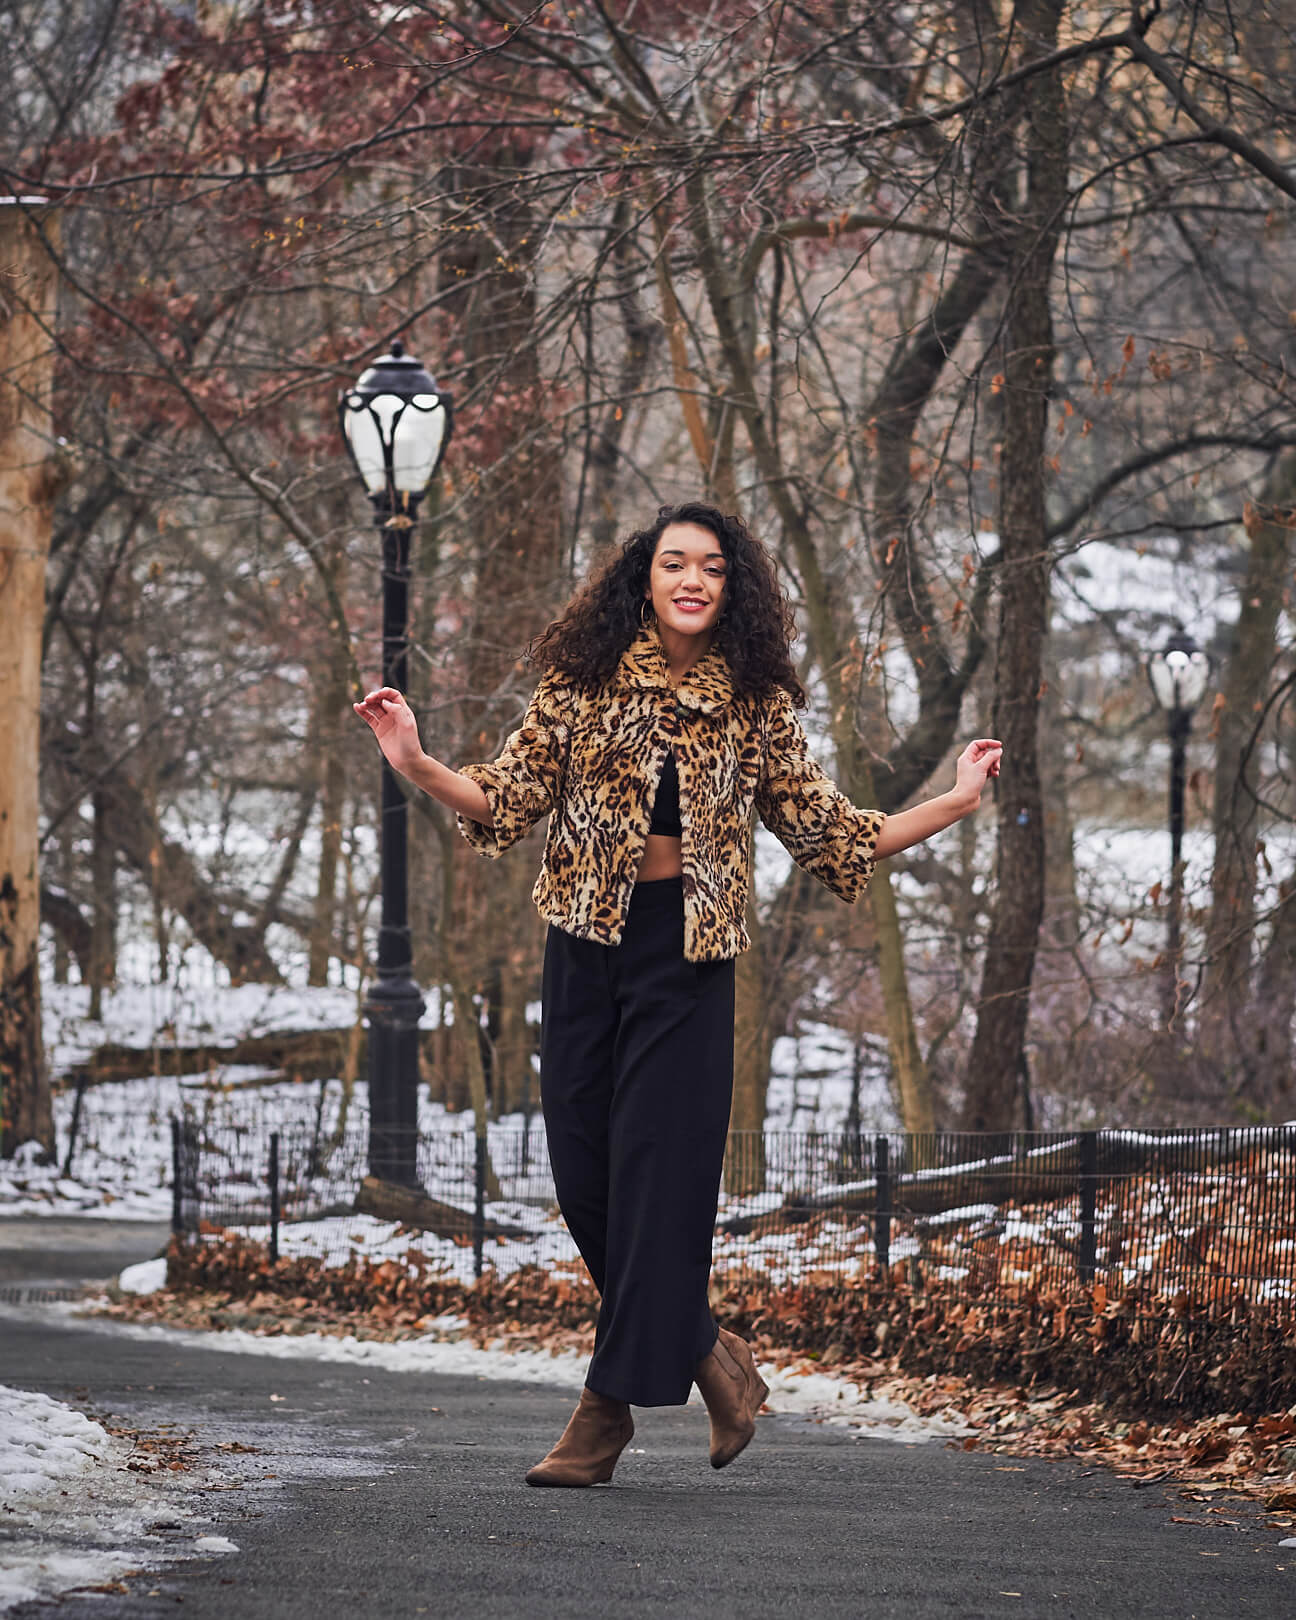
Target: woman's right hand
[(392, 722)]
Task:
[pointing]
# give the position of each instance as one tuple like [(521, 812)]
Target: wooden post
[(27, 308)]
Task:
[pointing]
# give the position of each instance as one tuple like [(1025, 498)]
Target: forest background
[(982, 314)]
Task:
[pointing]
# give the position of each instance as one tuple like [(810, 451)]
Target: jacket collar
[(708, 686)]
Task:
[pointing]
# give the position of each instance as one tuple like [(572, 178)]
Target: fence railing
[(1178, 1218)]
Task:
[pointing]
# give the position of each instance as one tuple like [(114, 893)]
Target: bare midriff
[(661, 858)]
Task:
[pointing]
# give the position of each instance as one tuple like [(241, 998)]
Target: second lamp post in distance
[(1180, 674)]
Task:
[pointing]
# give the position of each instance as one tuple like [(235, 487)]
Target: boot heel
[(757, 1389), (757, 1392)]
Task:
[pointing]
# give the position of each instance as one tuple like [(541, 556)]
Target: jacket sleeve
[(810, 816), (526, 780)]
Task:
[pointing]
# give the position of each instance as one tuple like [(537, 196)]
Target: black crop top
[(666, 807)]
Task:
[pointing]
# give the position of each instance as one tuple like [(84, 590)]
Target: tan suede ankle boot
[(597, 1433), (733, 1390)]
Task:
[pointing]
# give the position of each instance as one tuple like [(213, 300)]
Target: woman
[(664, 716)]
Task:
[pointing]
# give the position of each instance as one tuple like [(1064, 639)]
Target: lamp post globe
[(1179, 674), (396, 424)]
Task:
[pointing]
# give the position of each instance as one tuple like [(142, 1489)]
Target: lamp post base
[(393, 1008)]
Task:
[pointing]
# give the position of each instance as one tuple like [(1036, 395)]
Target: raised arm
[(903, 829), (392, 722), (833, 839)]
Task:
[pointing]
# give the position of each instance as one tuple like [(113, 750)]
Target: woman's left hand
[(978, 760)]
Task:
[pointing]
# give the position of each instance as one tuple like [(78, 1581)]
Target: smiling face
[(686, 585)]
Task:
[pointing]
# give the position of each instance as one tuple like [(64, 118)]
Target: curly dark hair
[(754, 632)]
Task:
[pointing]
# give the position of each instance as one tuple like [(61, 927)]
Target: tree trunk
[(103, 903), (27, 313), (911, 1081), (1230, 935), (1275, 1006), (332, 713), (514, 1043), (604, 460), (57, 906), (511, 535), (1061, 901), (998, 1047), (755, 1030)]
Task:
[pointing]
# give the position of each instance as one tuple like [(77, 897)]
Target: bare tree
[(27, 481)]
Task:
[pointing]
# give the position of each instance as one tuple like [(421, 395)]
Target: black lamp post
[(396, 423), (1180, 674)]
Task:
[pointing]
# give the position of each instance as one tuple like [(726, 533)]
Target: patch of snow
[(337, 1239), (73, 1511), (43, 1442), (145, 1278), (214, 1544), (843, 1403), (965, 1212)]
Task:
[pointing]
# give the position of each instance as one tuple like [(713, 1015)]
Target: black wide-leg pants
[(636, 1081)]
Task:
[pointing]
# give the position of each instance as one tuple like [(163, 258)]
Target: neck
[(682, 651)]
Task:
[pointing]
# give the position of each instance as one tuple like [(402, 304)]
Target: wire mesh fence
[(1178, 1219)]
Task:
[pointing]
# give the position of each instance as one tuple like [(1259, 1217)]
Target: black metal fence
[(1182, 1219)]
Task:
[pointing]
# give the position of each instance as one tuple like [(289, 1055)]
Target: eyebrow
[(711, 556)]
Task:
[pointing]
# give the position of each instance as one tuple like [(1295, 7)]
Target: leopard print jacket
[(591, 762)]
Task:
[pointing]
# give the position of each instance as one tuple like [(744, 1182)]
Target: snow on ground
[(121, 1165), (336, 1240), (43, 1442), (145, 1278), (121, 1160), (840, 1402), (116, 1184), (73, 1513), (185, 1012)]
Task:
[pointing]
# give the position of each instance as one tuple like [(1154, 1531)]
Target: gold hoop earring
[(645, 608)]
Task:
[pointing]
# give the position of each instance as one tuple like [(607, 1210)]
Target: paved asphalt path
[(401, 1494), (52, 1250)]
